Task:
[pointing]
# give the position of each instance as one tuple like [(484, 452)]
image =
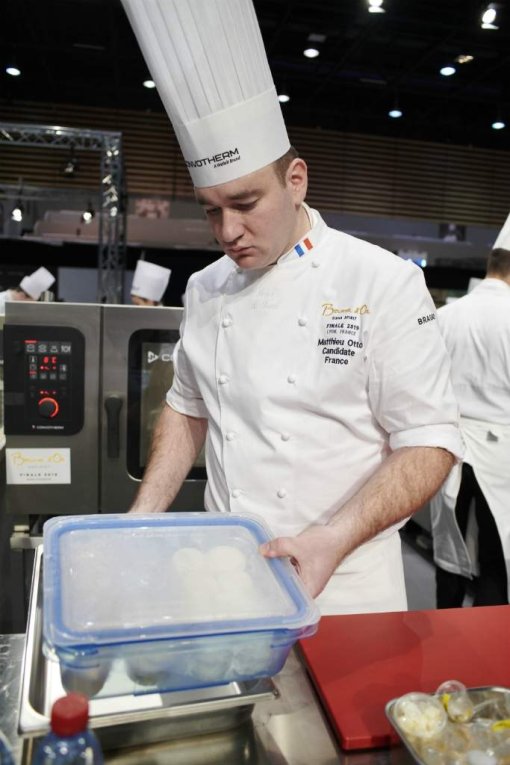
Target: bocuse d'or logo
[(328, 309), (19, 458)]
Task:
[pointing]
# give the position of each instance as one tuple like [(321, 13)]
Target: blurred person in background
[(471, 513), (30, 288), (149, 283)]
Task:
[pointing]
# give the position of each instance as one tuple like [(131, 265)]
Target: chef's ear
[(297, 179)]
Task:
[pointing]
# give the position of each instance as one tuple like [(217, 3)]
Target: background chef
[(310, 361), (31, 287), (149, 283), (476, 329)]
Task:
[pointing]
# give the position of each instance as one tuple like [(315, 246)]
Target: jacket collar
[(308, 244), (490, 284)]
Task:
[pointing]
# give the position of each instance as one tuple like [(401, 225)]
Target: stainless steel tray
[(418, 747), (122, 721)]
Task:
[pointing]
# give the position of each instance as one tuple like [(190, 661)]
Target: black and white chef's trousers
[(490, 587)]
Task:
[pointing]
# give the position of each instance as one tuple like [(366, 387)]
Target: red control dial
[(48, 407)]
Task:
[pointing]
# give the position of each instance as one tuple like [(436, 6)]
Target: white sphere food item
[(149, 670), (226, 559), (477, 757), (455, 699), (420, 715), (188, 560), (86, 680)]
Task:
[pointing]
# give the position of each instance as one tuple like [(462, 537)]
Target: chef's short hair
[(498, 262), (281, 165)]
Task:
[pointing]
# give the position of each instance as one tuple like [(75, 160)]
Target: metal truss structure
[(112, 227)]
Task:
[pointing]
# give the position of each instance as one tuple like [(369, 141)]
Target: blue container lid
[(117, 579)]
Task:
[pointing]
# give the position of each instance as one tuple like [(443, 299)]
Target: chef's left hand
[(315, 553)]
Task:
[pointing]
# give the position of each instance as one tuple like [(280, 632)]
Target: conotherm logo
[(218, 160)]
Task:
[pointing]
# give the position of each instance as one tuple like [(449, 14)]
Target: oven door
[(137, 372)]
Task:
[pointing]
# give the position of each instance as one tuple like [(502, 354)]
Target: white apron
[(369, 580), (488, 452)]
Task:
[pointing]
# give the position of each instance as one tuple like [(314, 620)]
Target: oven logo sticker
[(38, 466), (152, 357)]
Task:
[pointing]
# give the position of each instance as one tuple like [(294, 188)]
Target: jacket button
[(282, 493), (285, 436), (230, 435), (315, 264), (226, 322), (236, 493), (222, 379), (291, 379), (302, 321)]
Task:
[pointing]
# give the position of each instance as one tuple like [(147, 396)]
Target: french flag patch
[(303, 246)]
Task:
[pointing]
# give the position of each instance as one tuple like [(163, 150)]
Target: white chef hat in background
[(208, 61), (37, 283), (503, 238), (150, 280)]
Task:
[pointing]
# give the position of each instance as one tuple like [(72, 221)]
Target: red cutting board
[(359, 662)]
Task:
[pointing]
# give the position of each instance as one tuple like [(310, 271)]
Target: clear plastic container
[(173, 601), (69, 741)]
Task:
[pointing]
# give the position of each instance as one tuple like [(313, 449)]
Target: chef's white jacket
[(476, 330), (310, 372)]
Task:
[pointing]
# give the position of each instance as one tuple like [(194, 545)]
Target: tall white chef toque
[(37, 283), (503, 239), (150, 280), (208, 61)]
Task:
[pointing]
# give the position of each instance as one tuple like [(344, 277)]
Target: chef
[(476, 330), (310, 362), (149, 283), (30, 288)]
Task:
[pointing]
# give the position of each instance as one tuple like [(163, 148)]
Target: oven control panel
[(44, 380)]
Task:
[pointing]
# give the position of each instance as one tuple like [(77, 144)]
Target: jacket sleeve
[(184, 396), (409, 369)]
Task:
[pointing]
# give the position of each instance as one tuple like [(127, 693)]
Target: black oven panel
[(44, 375)]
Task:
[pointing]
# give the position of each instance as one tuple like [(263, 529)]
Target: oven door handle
[(113, 405)]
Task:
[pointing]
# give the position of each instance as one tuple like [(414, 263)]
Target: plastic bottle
[(5, 751), (69, 741)]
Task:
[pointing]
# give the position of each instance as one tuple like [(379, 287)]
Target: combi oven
[(83, 386)]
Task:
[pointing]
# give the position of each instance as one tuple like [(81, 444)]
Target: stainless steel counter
[(11, 654), (289, 730)]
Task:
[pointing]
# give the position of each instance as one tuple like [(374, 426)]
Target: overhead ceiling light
[(13, 71), (489, 17), (464, 58), (149, 84), (498, 125), (395, 113), (88, 215), (17, 212), (315, 40), (375, 6), (283, 98), (448, 70)]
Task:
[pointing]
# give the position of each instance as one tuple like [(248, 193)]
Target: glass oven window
[(150, 375)]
